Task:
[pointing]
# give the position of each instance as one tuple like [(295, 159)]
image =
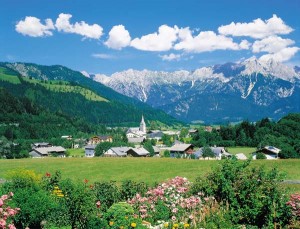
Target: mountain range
[(252, 89)]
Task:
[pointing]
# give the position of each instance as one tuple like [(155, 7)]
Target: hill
[(58, 88)]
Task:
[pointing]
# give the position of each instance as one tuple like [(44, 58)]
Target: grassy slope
[(4, 76), (245, 150), (149, 170)]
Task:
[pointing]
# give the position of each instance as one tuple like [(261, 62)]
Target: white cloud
[(170, 57), (271, 44), (256, 29), (33, 27), (103, 56), (205, 41), (87, 31), (161, 41), (281, 56), (245, 44), (119, 38)]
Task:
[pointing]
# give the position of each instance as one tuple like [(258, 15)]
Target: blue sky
[(110, 36)]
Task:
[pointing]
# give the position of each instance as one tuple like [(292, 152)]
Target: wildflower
[(166, 225), (173, 218), (48, 174), (121, 227), (186, 225), (133, 225), (85, 181), (175, 225), (98, 204), (111, 223)]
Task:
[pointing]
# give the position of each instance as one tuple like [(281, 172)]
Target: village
[(137, 136)]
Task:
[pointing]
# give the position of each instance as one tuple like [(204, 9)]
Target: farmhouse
[(116, 152), (181, 150), (39, 152), (89, 150), (40, 144), (137, 152), (218, 152), (271, 152)]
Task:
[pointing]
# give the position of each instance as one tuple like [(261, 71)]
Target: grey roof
[(92, 146), (156, 149), (133, 130), (42, 144), (180, 147), (272, 149), (47, 150), (155, 135), (241, 156), (140, 151), (218, 151), (119, 151)]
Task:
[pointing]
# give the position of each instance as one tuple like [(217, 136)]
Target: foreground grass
[(149, 170)]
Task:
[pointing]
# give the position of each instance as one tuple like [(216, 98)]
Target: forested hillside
[(114, 109), (284, 134)]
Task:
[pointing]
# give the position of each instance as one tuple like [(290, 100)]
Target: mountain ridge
[(268, 87)]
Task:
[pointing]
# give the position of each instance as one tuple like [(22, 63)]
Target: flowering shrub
[(168, 200), (294, 203), (6, 212)]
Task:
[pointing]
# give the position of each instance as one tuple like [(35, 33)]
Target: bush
[(108, 193), (260, 155), (253, 196), (130, 188)]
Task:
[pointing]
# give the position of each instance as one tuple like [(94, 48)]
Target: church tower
[(143, 125)]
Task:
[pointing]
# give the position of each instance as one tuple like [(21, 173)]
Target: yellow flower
[(121, 227), (111, 223), (166, 225), (186, 225), (133, 224), (175, 225)]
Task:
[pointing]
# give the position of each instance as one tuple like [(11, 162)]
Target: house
[(218, 152), (271, 152), (181, 150), (136, 132), (208, 129), (156, 150), (56, 151), (68, 137), (138, 152), (156, 135), (192, 132), (117, 152), (99, 139), (89, 150)]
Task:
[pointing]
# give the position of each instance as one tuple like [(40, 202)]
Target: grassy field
[(245, 150), (76, 152), (9, 78), (149, 170)]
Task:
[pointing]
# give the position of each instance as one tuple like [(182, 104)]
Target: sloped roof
[(241, 156), (135, 140), (120, 151), (272, 149), (140, 151), (47, 150), (90, 146), (180, 147)]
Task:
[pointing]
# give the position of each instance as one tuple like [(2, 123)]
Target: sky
[(109, 36)]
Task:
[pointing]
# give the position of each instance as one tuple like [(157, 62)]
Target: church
[(137, 132)]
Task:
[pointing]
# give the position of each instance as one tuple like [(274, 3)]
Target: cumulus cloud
[(119, 38), (205, 41), (33, 27), (271, 44), (161, 41), (281, 56), (256, 29), (245, 44), (87, 31), (170, 57), (103, 56)]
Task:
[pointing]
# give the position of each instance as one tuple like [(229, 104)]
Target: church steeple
[(143, 125)]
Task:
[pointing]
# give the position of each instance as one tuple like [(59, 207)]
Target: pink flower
[(173, 218), (1, 202), (2, 223), (11, 194), (98, 204), (11, 226)]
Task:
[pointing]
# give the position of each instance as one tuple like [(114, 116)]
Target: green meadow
[(4, 76), (245, 150), (149, 170)]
